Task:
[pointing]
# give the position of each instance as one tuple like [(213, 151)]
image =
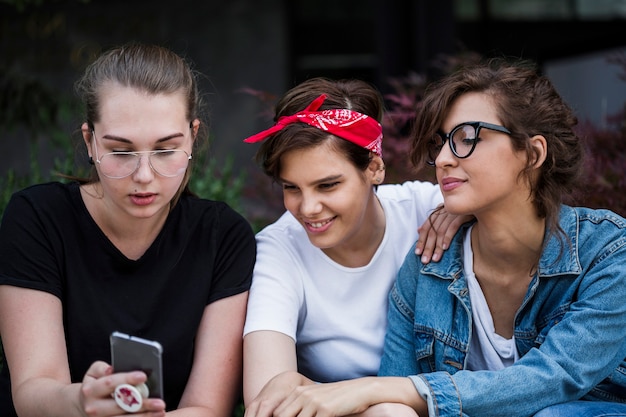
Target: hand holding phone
[(131, 353)]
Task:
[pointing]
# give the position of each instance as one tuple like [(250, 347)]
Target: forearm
[(197, 412), (45, 397), (351, 397), (397, 390), (214, 385), (270, 365), (387, 410)]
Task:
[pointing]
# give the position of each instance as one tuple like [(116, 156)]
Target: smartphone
[(131, 353)]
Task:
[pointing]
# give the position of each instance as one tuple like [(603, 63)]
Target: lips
[(318, 226), (450, 183), (143, 199)]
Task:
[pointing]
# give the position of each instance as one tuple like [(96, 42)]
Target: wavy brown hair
[(527, 104)]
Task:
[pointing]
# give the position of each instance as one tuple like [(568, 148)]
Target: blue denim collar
[(559, 257)]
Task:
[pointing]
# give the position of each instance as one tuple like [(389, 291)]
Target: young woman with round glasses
[(130, 249), (524, 315)]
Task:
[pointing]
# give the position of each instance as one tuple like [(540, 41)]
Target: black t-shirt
[(49, 242)]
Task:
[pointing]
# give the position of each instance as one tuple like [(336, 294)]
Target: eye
[(289, 187), (471, 141), (122, 155), (166, 153), (465, 136), (329, 185)]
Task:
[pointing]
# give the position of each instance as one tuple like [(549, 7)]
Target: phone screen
[(130, 353)]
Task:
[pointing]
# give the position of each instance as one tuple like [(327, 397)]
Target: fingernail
[(444, 246), (435, 257), (424, 259), (418, 251)]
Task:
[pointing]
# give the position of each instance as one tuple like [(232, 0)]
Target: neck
[(359, 248), (510, 246), (130, 235)]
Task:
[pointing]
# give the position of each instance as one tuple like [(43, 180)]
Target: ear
[(540, 147), (375, 171), (87, 137), (195, 126)]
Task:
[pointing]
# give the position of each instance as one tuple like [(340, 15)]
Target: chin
[(457, 205), (321, 243), (457, 209), (147, 212)]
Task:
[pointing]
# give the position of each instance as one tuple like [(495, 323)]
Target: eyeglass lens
[(462, 142), (168, 163)]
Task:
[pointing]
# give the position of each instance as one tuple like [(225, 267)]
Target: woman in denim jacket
[(525, 314)]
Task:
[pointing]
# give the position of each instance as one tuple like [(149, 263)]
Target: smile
[(318, 225)]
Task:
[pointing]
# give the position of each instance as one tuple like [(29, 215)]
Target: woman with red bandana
[(318, 302)]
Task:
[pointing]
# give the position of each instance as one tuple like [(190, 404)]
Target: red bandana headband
[(350, 125)]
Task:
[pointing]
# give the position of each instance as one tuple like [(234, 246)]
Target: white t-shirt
[(336, 315), (488, 350)]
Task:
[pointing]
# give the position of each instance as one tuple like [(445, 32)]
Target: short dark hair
[(353, 94)]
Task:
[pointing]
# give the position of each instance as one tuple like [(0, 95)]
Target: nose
[(445, 157), (310, 205), (144, 172)]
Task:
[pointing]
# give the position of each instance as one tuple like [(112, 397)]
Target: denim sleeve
[(399, 353), (398, 357)]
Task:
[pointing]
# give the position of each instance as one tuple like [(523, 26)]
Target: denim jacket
[(570, 330)]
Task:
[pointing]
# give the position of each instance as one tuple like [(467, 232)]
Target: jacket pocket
[(438, 351)]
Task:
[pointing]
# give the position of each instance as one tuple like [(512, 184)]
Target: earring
[(91, 161), (377, 180)]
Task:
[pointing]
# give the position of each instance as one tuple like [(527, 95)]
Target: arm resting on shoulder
[(436, 233)]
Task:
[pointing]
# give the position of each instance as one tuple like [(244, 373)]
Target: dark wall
[(268, 45), (235, 43)]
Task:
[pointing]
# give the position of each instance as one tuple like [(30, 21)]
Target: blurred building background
[(270, 45)]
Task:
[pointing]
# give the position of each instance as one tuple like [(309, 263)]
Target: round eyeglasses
[(462, 139), (166, 162)]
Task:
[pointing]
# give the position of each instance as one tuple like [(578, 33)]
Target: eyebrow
[(124, 140), (316, 182)]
